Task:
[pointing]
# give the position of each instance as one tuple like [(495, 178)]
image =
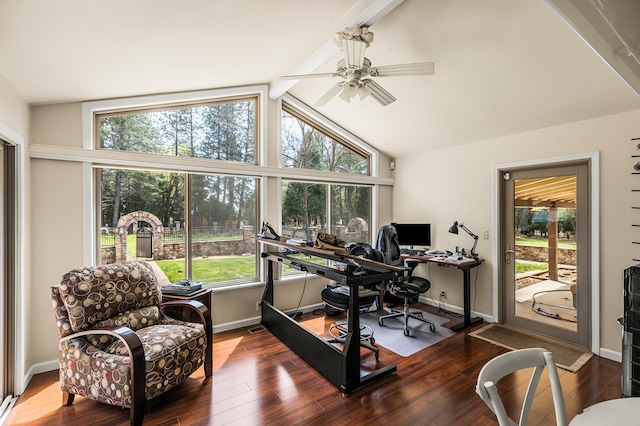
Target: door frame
[(17, 378), (593, 164)]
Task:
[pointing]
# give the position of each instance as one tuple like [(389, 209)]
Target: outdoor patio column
[(552, 230)]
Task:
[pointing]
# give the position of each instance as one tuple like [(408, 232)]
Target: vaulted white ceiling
[(502, 66)]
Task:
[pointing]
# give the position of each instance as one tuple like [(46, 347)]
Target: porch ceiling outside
[(558, 191)]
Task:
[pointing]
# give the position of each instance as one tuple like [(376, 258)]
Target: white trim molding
[(22, 196)]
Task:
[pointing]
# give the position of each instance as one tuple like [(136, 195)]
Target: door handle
[(506, 255)]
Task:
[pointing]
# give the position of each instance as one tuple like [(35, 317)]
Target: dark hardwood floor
[(258, 381)]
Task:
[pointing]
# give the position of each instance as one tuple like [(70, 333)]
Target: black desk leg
[(467, 303)]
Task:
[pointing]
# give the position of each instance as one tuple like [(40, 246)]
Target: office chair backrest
[(388, 245), (510, 362)]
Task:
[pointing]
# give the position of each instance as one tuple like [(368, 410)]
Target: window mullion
[(187, 217), (329, 208)]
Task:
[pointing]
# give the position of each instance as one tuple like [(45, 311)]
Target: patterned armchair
[(117, 346)]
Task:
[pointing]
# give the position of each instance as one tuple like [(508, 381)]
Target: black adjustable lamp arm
[(474, 236)]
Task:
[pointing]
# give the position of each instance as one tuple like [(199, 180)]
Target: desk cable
[(440, 304), (296, 313), (475, 289)]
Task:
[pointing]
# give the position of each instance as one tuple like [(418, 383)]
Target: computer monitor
[(413, 234)]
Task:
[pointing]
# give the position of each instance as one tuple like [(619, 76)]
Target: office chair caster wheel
[(380, 322), (432, 327)]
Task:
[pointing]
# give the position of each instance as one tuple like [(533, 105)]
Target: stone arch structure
[(134, 218), (358, 224)]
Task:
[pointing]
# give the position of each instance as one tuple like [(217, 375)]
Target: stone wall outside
[(209, 249), (232, 247), (541, 254)]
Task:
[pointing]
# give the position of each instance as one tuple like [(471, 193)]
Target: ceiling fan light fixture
[(349, 91), (363, 91), (344, 96)]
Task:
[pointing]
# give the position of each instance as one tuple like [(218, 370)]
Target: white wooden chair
[(511, 362)]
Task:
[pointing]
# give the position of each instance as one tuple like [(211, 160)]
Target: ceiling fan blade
[(301, 76), (329, 95), (378, 93), (419, 68)]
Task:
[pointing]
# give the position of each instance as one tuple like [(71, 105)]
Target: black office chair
[(339, 300), (406, 287)]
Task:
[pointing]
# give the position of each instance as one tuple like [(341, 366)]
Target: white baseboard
[(42, 367), (455, 309), (247, 322), (612, 355)]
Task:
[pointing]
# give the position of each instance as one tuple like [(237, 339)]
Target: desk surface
[(623, 411), (330, 255), (465, 262)]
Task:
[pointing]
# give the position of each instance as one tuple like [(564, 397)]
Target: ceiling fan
[(355, 70)]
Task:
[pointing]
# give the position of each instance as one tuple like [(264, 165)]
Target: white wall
[(456, 184)]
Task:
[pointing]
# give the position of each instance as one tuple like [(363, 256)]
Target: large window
[(188, 221), (224, 130), (307, 145), (144, 215), (311, 206)]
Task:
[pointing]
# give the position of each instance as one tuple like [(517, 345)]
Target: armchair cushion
[(94, 294), (172, 353)]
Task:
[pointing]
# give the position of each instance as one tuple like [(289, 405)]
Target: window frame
[(188, 224), (106, 158), (168, 106), (329, 199), (330, 129), (327, 127)]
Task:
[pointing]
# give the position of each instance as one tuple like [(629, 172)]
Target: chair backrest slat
[(510, 362)]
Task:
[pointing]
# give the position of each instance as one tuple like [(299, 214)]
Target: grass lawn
[(212, 269), (543, 242), (529, 266), (217, 269)]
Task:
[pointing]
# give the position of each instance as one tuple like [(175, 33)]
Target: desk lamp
[(454, 230)]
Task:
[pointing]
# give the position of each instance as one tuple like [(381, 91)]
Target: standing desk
[(340, 367), (466, 268)]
